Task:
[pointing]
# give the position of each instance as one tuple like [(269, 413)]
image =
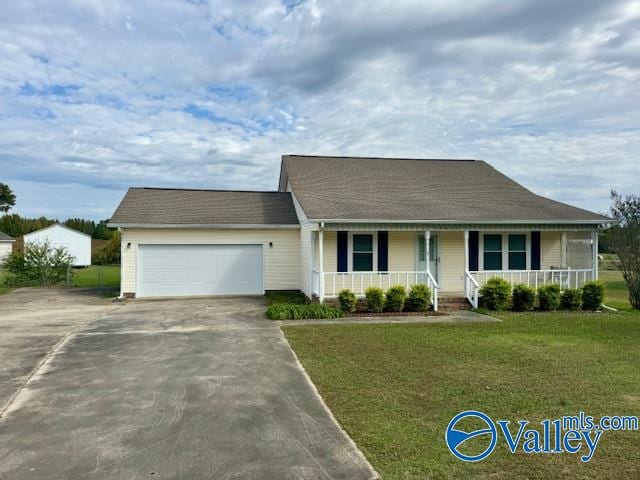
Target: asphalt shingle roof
[(5, 238), (165, 206), (350, 188)]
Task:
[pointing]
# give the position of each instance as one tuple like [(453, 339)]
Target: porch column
[(594, 247), (466, 251), (427, 239), (321, 264)]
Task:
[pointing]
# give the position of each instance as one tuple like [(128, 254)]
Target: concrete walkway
[(176, 389), (457, 317)]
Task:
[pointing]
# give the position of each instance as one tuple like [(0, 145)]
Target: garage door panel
[(191, 270)]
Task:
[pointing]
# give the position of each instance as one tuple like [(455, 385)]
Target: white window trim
[(374, 236), (505, 249)]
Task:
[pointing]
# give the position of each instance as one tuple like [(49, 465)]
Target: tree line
[(15, 226)]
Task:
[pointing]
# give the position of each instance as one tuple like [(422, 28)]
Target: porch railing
[(566, 278), (358, 282), (471, 288)]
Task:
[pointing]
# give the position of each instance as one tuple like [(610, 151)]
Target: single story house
[(6, 246), (345, 222), (78, 244)]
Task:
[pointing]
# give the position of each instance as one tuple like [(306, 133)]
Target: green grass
[(616, 293), (394, 388), (3, 276), (107, 276)]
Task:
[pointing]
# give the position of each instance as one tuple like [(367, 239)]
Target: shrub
[(109, 254), (285, 296), (592, 295), (39, 264), (549, 297), (293, 311), (571, 299), (495, 294), (395, 298), (419, 299), (523, 298), (375, 299), (348, 300)]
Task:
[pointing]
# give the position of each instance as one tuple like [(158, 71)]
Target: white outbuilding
[(77, 243), (6, 246)]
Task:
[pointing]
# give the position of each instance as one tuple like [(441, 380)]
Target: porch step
[(451, 304)]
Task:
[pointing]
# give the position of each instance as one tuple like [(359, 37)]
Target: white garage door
[(191, 270)]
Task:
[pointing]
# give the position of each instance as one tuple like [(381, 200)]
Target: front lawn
[(395, 388)]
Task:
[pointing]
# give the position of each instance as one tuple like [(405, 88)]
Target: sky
[(100, 95)]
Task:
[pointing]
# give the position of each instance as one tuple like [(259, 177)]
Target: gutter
[(235, 226)]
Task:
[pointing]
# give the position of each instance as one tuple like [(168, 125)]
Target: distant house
[(6, 246), (344, 222), (77, 243)]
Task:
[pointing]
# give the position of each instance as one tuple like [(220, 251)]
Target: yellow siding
[(281, 262), (550, 250), (330, 251), (402, 251), (451, 245)]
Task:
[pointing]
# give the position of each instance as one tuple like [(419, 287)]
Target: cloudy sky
[(99, 95)]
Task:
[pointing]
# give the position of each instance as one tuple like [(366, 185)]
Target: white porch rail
[(566, 278), (358, 282), (471, 289)]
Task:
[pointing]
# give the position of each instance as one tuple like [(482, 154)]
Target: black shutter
[(535, 250), (343, 259), (473, 250), (383, 251)]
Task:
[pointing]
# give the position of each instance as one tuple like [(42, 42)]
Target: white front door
[(199, 270), (434, 257)]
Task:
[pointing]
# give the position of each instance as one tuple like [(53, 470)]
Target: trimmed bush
[(571, 299), (375, 299), (495, 294), (523, 298), (293, 311), (419, 299), (549, 297), (395, 298), (592, 295), (348, 300)]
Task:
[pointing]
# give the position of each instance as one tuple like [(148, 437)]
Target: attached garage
[(199, 270), (189, 243)]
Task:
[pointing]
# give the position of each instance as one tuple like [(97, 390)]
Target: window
[(362, 253), (493, 252), (517, 252)]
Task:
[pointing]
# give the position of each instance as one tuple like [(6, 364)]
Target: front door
[(434, 257)]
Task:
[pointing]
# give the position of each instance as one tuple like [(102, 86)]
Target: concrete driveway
[(171, 389)]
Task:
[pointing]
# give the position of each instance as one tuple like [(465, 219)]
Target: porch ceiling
[(421, 227)]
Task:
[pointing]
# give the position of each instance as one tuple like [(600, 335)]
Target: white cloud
[(101, 95)]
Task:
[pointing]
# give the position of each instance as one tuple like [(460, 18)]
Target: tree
[(624, 239), (7, 198), (110, 253)]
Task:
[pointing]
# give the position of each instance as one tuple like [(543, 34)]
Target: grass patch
[(286, 296), (394, 388), (3, 275), (105, 276), (616, 293), (290, 311)]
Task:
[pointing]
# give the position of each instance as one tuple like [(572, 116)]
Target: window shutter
[(535, 250), (383, 251), (473, 250), (342, 252)]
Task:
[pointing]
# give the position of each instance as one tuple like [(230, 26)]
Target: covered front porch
[(461, 258)]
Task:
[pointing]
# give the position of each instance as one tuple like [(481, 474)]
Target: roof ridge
[(205, 190), (386, 158)]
